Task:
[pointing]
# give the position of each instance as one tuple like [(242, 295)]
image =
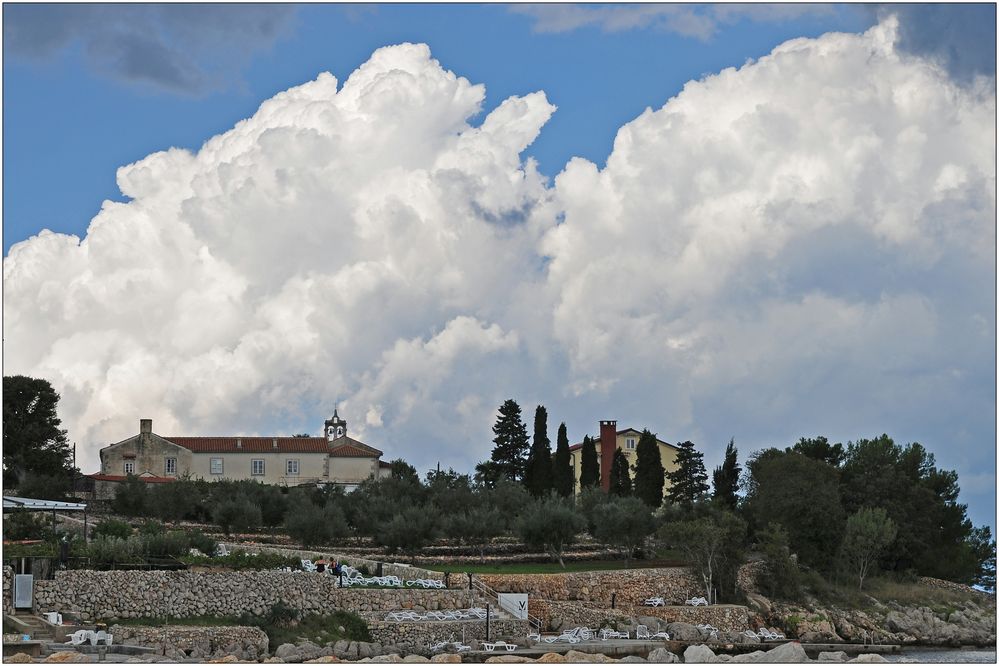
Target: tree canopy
[(562, 473), (509, 456), (589, 467), (33, 442), (620, 477), (538, 473), (688, 482), (650, 477), (802, 494), (726, 477)]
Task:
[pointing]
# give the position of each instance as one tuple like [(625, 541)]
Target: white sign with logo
[(514, 604)]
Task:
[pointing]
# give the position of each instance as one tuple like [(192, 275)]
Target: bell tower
[(335, 427)]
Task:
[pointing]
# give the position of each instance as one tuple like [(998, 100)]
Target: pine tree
[(649, 473), (33, 442), (589, 468), (726, 477), (688, 482), (510, 450), (620, 479), (562, 467), (538, 475)]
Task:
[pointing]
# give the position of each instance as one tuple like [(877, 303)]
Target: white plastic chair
[(78, 637), (661, 634), (221, 551), (642, 632), (309, 565), (654, 601)]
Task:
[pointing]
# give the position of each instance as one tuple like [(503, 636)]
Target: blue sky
[(797, 242), (70, 122)]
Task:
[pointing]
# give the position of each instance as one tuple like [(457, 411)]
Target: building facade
[(334, 458), (611, 439)]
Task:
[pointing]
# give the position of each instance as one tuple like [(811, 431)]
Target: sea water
[(943, 656)]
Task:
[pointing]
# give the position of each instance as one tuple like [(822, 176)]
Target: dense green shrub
[(111, 527), (105, 551), (167, 544), (151, 527), (237, 514), (202, 542), (20, 524)]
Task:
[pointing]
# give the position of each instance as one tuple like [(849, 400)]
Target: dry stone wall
[(250, 642), (627, 586), (8, 590), (105, 594), (558, 615), (428, 633), (403, 571)]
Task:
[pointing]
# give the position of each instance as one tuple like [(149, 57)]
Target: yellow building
[(627, 441), (332, 458)]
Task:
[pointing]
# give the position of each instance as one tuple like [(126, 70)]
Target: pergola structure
[(31, 504)]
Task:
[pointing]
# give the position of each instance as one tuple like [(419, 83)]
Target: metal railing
[(489, 592)]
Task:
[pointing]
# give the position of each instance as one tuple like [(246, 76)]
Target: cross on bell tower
[(335, 427)]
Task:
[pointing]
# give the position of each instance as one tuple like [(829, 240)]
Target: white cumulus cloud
[(799, 246)]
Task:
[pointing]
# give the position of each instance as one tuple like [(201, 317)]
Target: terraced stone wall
[(428, 633), (246, 642), (558, 615), (403, 571), (624, 587), (8, 590), (106, 594)]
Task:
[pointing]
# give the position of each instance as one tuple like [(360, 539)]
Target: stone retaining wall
[(8, 590), (955, 587), (631, 586), (428, 633), (558, 615), (105, 594), (199, 641), (403, 571)]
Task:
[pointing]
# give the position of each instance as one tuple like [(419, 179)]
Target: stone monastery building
[(333, 458)]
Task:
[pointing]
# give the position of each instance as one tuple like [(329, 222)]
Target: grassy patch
[(280, 623), (912, 594), (941, 601), (546, 567)]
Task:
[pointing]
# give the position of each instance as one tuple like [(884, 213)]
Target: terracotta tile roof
[(344, 447), (384, 465), (251, 444), (596, 439), (144, 479)]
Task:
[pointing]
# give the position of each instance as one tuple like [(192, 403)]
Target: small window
[(216, 467), (129, 467), (631, 443), (257, 467), (171, 466), (291, 468)]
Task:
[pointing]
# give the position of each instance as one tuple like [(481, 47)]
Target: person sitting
[(320, 565)]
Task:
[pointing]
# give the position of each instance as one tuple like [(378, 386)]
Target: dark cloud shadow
[(960, 37), (179, 48)]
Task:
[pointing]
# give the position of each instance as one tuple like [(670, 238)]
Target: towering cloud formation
[(802, 245)]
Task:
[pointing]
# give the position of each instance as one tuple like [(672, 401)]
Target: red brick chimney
[(608, 444)]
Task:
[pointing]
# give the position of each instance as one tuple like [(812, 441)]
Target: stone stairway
[(31, 624)]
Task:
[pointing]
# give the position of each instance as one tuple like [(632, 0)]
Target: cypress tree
[(589, 468), (649, 473), (726, 477), (538, 476), (688, 482), (620, 479), (562, 472), (510, 450)]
